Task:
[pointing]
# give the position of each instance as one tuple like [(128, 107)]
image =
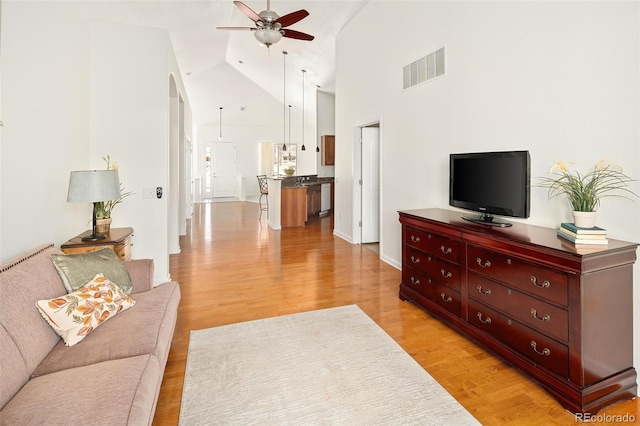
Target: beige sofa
[(112, 377)]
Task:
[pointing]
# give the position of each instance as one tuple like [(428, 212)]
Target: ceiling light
[(267, 36), (220, 134)]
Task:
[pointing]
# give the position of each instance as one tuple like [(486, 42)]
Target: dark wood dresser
[(560, 313)]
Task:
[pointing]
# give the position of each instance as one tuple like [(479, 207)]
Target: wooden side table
[(118, 240)]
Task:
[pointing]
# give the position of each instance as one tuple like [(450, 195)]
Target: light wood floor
[(232, 269)]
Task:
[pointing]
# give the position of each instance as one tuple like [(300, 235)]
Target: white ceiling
[(200, 48)]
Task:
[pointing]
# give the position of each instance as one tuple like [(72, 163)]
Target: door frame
[(365, 212), (357, 174), (211, 194), (234, 183)]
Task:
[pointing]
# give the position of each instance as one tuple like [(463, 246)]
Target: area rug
[(327, 367)]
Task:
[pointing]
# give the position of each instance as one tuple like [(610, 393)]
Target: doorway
[(370, 184), (219, 170)]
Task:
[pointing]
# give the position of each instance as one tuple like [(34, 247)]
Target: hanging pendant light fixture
[(289, 125), (317, 147), (303, 73), (220, 135), (284, 100)]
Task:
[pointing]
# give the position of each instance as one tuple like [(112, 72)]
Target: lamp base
[(94, 237)]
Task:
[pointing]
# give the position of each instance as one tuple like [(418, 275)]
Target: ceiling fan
[(270, 27)]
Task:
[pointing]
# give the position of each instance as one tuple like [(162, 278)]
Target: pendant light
[(284, 100), (220, 134), (303, 73), (289, 124), (317, 147)]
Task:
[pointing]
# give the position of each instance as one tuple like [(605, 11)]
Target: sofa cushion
[(78, 269), (13, 369), (73, 316), (148, 328), (24, 280), (119, 392)]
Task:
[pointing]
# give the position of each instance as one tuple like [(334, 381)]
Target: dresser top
[(518, 232)]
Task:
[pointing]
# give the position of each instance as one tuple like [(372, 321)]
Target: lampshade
[(91, 186)]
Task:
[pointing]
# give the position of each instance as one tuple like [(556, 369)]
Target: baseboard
[(343, 236)]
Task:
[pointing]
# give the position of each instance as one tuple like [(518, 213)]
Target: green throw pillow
[(78, 269)]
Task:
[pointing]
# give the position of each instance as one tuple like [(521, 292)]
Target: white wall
[(261, 121), (45, 99), (560, 79), (73, 91), (326, 126), (129, 120)]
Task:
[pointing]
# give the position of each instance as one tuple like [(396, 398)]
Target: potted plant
[(585, 191), (104, 208)]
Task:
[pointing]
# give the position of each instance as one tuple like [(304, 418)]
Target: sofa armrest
[(141, 273)]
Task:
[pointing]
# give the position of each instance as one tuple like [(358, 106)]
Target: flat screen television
[(491, 183)]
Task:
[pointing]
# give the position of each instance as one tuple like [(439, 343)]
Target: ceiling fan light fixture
[(267, 36)]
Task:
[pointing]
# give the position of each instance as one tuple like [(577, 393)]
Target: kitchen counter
[(292, 199)]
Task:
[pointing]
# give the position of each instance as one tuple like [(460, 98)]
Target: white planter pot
[(584, 219)]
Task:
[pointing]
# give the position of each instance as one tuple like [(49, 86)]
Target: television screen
[(491, 183)]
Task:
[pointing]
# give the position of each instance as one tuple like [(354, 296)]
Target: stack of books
[(576, 235)]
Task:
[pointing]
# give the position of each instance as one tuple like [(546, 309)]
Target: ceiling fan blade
[(248, 11), (236, 28), (297, 35), (292, 18)]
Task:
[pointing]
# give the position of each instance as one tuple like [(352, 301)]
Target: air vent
[(424, 69)]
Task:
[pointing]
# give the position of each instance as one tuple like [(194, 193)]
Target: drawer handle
[(545, 283), (414, 281), (546, 317), (415, 259), (485, 321), (544, 352), (485, 292), (446, 250), (415, 239), (445, 274), (483, 265), (446, 299)]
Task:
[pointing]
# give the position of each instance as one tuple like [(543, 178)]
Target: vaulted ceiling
[(201, 49)]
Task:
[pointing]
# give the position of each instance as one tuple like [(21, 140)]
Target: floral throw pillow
[(75, 315)]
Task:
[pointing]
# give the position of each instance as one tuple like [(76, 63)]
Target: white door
[(223, 169), (370, 185)]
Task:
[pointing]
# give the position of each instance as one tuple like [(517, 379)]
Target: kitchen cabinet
[(328, 148), (314, 200), (293, 207)]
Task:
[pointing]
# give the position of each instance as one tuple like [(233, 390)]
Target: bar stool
[(264, 193)]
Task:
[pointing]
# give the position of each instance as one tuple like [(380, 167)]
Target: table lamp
[(93, 186)]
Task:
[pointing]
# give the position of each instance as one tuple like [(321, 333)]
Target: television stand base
[(487, 219)]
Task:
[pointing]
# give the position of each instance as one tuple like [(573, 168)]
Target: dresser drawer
[(540, 349), (542, 316), (435, 291), (123, 250), (435, 244), (445, 272), (519, 274)]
